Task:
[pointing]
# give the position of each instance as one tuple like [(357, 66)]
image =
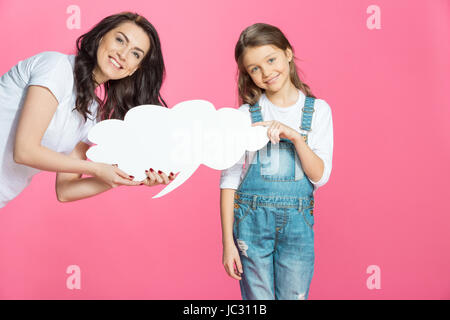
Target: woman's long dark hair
[(257, 35), (123, 94)]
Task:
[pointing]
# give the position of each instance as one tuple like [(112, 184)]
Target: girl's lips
[(272, 80)]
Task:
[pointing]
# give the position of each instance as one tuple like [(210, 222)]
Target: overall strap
[(308, 110), (255, 112)]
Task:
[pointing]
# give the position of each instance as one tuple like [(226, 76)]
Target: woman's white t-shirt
[(54, 71)]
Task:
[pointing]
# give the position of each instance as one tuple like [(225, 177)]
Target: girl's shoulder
[(321, 107), (244, 108), (322, 112)]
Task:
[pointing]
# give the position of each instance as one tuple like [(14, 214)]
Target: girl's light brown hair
[(256, 35)]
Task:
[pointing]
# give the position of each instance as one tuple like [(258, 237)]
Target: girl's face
[(268, 66), (120, 52)]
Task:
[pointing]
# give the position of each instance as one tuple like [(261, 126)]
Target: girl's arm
[(38, 109), (231, 260), (312, 164)]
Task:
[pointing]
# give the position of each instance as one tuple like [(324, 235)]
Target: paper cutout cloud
[(175, 140)]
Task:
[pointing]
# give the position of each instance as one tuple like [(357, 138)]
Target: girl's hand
[(154, 178), (113, 176), (278, 130), (232, 262)]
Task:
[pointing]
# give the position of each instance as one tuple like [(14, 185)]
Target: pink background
[(386, 203)]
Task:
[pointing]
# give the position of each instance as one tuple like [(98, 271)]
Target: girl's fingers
[(229, 267), (239, 265), (262, 123)]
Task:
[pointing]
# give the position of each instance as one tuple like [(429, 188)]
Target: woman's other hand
[(157, 177), (113, 176)]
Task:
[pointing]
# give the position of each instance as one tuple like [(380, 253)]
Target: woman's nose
[(122, 54)]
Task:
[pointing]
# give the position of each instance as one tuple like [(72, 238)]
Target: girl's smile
[(268, 66)]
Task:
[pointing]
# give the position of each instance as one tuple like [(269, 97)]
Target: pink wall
[(386, 203)]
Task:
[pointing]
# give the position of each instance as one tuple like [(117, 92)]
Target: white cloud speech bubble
[(175, 140)]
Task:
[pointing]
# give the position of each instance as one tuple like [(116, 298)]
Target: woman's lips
[(115, 63)]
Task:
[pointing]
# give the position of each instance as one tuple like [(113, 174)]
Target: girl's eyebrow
[(126, 38), (263, 59)]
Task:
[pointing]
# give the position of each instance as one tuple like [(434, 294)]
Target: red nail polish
[(152, 170), (131, 177), (146, 171), (159, 171), (141, 183), (171, 173)]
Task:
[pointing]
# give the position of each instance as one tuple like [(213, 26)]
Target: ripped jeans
[(275, 239)]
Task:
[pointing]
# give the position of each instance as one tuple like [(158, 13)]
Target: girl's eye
[(271, 60), (254, 69)]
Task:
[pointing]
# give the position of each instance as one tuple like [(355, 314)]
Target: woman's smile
[(115, 63)]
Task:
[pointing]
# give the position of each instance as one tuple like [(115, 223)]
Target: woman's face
[(268, 66), (120, 52)]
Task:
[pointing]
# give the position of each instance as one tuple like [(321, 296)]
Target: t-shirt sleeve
[(53, 71), (230, 178), (321, 142)]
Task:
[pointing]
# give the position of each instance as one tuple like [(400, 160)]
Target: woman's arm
[(231, 260), (38, 109), (71, 186)]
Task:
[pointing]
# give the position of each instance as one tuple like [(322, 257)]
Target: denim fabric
[(273, 225)]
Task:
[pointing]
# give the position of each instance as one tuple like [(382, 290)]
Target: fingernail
[(131, 177), (171, 173), (152, 170), (146, 171), (141, 183), (159, 171)]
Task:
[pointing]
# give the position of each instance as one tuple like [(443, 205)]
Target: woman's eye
[(119, 40), (136, 55)]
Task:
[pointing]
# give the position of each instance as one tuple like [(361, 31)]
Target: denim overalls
[(273, 220)]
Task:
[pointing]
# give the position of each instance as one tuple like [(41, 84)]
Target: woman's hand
[(113, 176), (278, 130), (154, 178), (231, 261)]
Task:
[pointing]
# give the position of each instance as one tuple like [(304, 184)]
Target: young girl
[(48, 104), (267, 204)]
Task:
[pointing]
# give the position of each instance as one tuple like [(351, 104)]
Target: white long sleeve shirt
[(320, 138)]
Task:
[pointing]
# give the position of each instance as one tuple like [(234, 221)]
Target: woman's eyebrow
[(126, 38)]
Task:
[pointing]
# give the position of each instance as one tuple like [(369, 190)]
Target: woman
[(48, 104)]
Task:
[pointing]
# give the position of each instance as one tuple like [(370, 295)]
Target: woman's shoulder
[(52, 60)]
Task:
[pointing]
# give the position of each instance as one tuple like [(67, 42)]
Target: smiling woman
[(48, 104)]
